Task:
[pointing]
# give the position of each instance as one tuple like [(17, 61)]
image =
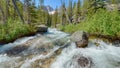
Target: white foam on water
[(28, 62), (103, 56), (16, 43), (4, 58), (52, 35)]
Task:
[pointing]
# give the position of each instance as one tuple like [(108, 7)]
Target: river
[(55, 50)]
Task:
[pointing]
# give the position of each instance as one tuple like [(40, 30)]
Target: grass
[(102, 22), (14, 29)]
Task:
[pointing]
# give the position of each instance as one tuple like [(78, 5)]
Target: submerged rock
[(82, 61), (42, 28), (116, 43), (80, 38)]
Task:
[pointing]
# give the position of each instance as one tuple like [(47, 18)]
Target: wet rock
[(116, 43), (82, 62), (41, 28), (32, 46), (97, 44), (16, 50), (80, 38)]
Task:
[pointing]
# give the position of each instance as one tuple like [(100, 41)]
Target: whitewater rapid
[(106, 55), (103, 56), (34, 51)]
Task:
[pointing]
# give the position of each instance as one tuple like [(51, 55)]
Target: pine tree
[(2, 2), (55, 18), (26, 9), (63, 17), (112, 1), (77, 12), (91, 6), (18, 11), (86, 4), (41, 3), (7, 8), (69, 10), (49, 20)]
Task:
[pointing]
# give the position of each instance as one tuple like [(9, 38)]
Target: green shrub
[(102, 22), (14, 29)]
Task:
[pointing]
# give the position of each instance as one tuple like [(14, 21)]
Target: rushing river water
[(42, 51)]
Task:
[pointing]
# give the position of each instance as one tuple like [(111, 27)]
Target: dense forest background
[(18, 18)]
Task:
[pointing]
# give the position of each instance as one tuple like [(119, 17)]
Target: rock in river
[(80, 38), (42, 28)]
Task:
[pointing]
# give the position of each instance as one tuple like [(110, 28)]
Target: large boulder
[(80, 38), (42, 28)]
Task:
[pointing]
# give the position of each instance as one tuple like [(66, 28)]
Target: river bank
[(19, 30), (5, 41), (110, 39)]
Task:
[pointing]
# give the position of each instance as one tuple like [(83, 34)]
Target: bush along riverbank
[(103, 23), (12, 30)]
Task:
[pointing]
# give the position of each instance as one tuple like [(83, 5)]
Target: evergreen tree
[(77, 12), (63, 17), (69, 10), (86, 4), (7, 8), (49, 20), (41, 3), (18, 11), (55, 18), (2, 11), (112, 1), (91, 6)]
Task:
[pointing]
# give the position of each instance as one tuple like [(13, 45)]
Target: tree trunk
[(64, 10), (3, 15), (67, 16), (28, 11), (7, 8), (16, 8)]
